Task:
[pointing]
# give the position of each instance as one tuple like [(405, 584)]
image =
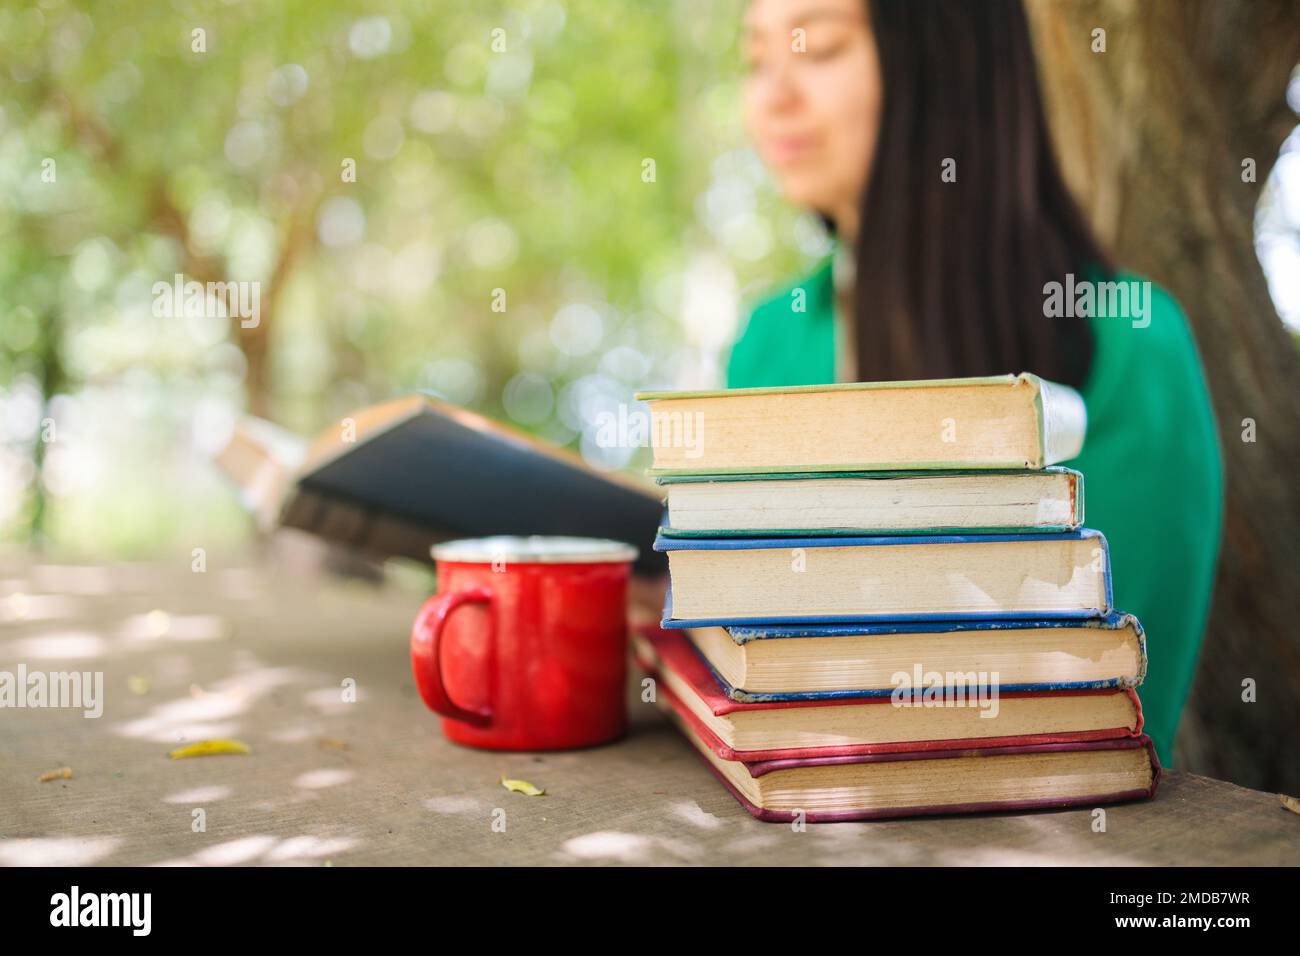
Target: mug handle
[(426, 643)]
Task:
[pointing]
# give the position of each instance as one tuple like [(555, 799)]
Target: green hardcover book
[(1001, 422), (873, 503)]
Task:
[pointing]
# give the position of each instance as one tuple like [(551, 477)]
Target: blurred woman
[(915, 130)]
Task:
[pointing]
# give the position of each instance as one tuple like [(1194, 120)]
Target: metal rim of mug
[(534, 549)]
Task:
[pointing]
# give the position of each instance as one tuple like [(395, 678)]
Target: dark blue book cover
[(743, 635), (669, 544)]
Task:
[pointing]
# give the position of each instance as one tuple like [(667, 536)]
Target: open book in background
[(261, 457), (393, 479)]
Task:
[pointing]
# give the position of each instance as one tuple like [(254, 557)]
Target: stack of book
[(883, 602)]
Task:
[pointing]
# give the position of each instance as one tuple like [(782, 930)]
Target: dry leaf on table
[(521, 786), (209, 748)]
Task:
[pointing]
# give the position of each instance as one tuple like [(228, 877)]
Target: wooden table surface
[(261, 655)]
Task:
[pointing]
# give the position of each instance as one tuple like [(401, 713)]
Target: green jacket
[(1153, 473)]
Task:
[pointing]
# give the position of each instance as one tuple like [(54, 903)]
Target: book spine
[(1063, 421)]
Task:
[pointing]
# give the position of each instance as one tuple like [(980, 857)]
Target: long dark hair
[(950, 275)]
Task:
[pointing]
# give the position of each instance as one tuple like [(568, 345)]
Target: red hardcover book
[(942, 777), (772, 730)]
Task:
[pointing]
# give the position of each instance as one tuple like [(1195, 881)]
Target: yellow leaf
[(332, 742), (63, 773), (521, 786), (1291, 803), (209, 748)]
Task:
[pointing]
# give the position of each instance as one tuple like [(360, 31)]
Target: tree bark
[(1153, 134)]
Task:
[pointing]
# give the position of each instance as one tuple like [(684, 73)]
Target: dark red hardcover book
[(658, 648), (754, 769)]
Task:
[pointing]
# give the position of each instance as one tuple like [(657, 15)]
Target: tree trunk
[(1153, 134)]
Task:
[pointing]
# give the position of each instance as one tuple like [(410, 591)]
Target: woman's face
[(812, 100)]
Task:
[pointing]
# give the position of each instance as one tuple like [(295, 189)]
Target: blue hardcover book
[(753, 664), (737, 581)]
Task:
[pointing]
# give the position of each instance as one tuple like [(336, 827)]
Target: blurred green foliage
[(502, 150)]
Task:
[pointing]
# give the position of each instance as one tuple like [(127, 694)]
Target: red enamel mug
[(524, 647)]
